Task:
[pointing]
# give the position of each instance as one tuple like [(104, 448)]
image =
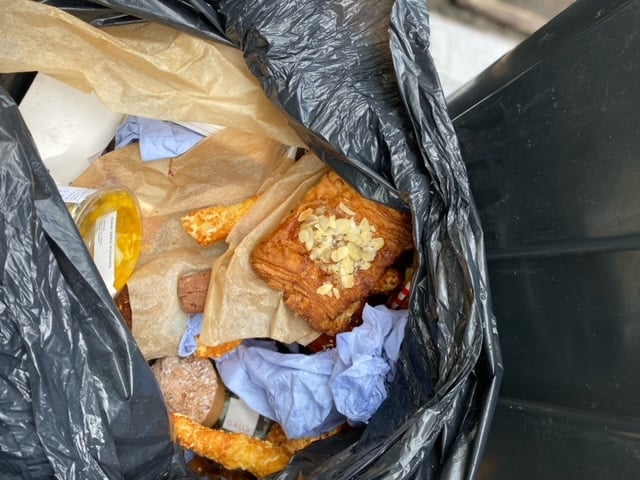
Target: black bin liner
[(358, 84)]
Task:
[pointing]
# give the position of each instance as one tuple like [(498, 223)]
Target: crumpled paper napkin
[(312, 394), (157, 139)]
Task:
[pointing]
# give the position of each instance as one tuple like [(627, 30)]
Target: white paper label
[(240, 418), (104, 248), (75, 194)]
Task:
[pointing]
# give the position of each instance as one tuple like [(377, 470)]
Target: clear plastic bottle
[(237, 416), (110, 224)]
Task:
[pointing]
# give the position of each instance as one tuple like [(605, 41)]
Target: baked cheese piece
[(212, 224)]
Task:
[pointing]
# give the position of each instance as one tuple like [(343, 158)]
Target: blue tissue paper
[(157, 139), (312, 394)]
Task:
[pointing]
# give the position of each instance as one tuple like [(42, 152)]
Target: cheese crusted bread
[(237, 451), (231, 450), (212, 224)]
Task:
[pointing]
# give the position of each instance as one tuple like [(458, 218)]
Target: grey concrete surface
[(464, 43)]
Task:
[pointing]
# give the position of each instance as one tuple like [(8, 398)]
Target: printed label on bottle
[(238, 417), (104, 248), (75, 194)]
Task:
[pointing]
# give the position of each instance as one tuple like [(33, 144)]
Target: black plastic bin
[(551, 138)]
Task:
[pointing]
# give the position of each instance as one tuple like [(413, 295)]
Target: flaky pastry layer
[(310, 289)]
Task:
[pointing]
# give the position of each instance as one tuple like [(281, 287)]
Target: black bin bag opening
[(358, 84)]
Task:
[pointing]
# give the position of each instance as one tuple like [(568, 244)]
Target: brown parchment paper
[(158, 321), (223, 169), (239, 303), (158, 72), (142, 69)]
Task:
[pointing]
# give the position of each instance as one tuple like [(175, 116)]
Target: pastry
[(329, 254)]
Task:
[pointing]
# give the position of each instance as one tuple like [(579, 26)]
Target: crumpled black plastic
[(359, 86), (78, 400)]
